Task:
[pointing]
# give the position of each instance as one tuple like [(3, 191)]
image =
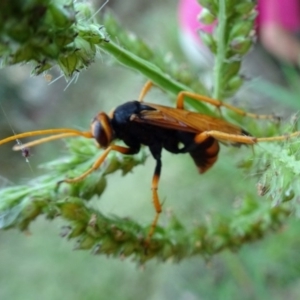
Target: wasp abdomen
[(205, 154)]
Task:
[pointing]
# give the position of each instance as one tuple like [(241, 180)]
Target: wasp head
[(101, 130)]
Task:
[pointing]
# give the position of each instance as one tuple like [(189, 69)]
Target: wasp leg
[(156, 152), (279, 137), (155, 199), (99, 162), (218, 104), (242, 139), (225, 137), (146, 88)]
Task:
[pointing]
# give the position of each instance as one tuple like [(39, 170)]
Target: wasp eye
[(102, 130)]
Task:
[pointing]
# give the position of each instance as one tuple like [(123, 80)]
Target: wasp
[(158, 127)]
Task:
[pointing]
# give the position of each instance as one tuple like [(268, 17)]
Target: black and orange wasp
[(159, 127)]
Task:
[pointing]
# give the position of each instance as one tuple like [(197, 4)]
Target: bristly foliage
[(64, 34), (123, 237), (48, 33)]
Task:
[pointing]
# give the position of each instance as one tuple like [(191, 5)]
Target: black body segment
[(129, 124)]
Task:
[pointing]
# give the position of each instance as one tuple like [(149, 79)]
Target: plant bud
[(128, 248), (206, 17), (240, 29), (108, 245), (85, 9), (167, 251), (210, 5), (288, 195), (241, 45), (31, 211), (68, 63), (230, 4), (92, 33), (50, 50), (77, 230), (62, 40), (87, 242), (94, 184), (62, 16), (230, 70), (234, 83), (244, 8), (111, 165), (16, 30), (85, 51), (24, 53), (72, 210), (208, 40)]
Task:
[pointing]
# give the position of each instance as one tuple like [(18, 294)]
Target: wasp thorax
[(101, 130)]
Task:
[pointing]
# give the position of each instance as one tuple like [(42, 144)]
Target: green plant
[(66, 35)]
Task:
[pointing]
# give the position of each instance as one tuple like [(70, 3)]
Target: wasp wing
[(184, 120)]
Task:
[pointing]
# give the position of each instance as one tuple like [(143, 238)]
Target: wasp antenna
[(61, 132), (45, 139)]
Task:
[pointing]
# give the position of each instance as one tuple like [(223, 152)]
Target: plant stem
[(151, 72), (221, 50)]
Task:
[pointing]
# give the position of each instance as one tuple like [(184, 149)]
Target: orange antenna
[(57, 133)]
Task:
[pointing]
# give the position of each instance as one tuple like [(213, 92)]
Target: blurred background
[(42, 265)]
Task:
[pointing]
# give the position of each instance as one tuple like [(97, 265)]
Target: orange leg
[(146, 88), (98, 162), (218, 134), (242, 139), (227, 137), (278, 138), (218, 104), (157, 206), (155, 198)]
